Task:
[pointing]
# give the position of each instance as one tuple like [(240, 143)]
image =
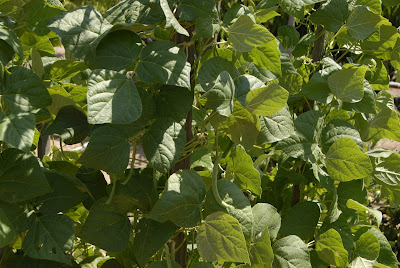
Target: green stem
[(168, 256), (114, 187), (131, 170), (215, 177)]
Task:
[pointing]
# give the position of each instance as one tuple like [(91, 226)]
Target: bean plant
[(259, 121)]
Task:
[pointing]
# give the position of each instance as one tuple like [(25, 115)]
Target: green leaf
[(116, 51), (11, 44), (244, 84), (374, 5), (163, 143), (31, 40), (362, 263), (80, 30), (64, 69), (367, 246), (163, 264), (241, 126), (304, 142), (332, 15), (345, 161), (288, 36), (318, 89), (291, 251), (21, 177), (22, 90), (107, 150), (362, 22), (220, 96), (7, 232), (71, 124), (150, 237), (171, 20), (112, 98), (330, 248), (19, 216), (239, 206), (163, 62), (296, 8), (388, 170), (294, 222), (351, 190), (267, 100), (385, 46), (246, 35), (182, 199), (368, 103), (17, 130), (379, 78), (235, 12), (348, 84), (276, 127), (361, 209), (67, 192), (50, 237), (220, 238), (192, 10), (336, 129), (211, 69), (174, 102), (261, 254), (267, 56), (240, 169), (106, 228), (386, 255), (201, 158), (95, 182), (265, 216)]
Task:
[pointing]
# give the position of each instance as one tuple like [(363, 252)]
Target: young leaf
[(182, 199), (345, 161), (163, 62), (362, 22), (293, 223), (17, 130), (163, 143), (267, 100), (50, 237), (240, 169), (330, 248), (106, 228), (112, 98), (246, 35), (291, 251), (348, 84), (21, 177), (171, 20), (220, 238)]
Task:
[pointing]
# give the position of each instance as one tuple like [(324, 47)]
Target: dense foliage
[(259, 120)]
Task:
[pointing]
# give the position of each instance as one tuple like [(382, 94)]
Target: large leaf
[(192, 10), (244, 84), (22, 90), (367, 246), (304, 142), (241, 126), (362, 22), (265, 216), (67, 193), (106, 228), (332, 15), (240, 169), (171, 20), (117, 51), (348, 84), (245, 34), (10, 45), (386, 255), (163, 62), (336, 129), (220, 238), (239, 206), (50, 237), (174, 102), (296, 8), (388, 170), (261, 254), (345, 161), (317, 88), (294, 222), (107, 150), (17, 130), (276, 127), (21, 177), (150, 237), (292, 252), (330, 248), (220, 96), (267, 100), (267, 56), (7, 231), (80, 30), (182, 199), (210, 70), (112, 98), (163, 143), (368, 103)]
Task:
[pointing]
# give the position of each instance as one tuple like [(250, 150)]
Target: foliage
[(259, 134)]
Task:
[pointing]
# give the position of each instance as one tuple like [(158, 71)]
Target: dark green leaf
[(367, 246), (244, 84), (261, 254), (17, 130), (173, 102), (7, 232), (192, 10), (11, 44), (211, 69), (362, 22), (332, 15), (296, 8)]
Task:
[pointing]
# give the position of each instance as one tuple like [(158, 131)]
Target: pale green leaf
[(261, 254), (388, 170), (367, 246), (192, 10), (244, 84), (171, 20), (267, 56), (265, 216), (64, 69), (330, 248), (267, 100), (276, 127), (292, 252), (362, 263), (220, 238), (352, 204), (297, 7), (362, 22)]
